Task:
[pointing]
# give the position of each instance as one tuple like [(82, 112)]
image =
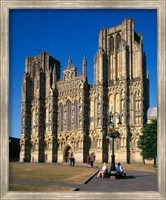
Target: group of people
[(72, 161), (90, 161), (104, 169)]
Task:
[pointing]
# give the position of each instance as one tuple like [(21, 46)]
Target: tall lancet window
[(50, 79), (76, 115), (118, 41), (96, 112), (61, 117), (112, 44), (69, 115)]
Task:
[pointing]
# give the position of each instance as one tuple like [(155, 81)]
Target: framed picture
[(5, 54)]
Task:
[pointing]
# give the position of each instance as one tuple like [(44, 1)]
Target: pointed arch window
[(118, 41), (61, 117), (50, 79), (69, 109), (112, 44), (34, 69), (96, 112), (118, 143), (76, 115)]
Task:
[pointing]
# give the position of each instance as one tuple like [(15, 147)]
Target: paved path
[(135, 181)]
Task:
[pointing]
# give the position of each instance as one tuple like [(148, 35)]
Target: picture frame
[(6, 5)]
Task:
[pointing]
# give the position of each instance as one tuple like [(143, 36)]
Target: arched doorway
[(67, 153)]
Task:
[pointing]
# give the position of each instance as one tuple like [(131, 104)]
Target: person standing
[(73, 161), (91, 161), (88, 161)]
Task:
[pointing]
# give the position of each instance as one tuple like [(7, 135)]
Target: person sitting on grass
[(103, 170), (119, 168)]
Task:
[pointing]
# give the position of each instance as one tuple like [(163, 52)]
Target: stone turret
[(69, 62), (84, 66)]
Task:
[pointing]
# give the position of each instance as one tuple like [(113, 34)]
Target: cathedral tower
[(120, 64), (37, 88), (66, 116)]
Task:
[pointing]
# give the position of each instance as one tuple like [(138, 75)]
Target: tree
[(148, 141)]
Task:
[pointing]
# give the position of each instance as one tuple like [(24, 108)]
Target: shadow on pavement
[(130, 177)]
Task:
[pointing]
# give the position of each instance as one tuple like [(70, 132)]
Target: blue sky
[(70, 32)]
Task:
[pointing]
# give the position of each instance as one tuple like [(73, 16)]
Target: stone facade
[(68, 116)]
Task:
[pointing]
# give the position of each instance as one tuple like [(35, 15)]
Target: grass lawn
[(46, 172), (133, 166), (38, 188), (56, 173), (139, 167)]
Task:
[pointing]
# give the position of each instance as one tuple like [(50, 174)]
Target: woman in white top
[(103, 170)]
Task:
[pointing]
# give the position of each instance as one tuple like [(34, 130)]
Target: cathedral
[(67, 116)]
